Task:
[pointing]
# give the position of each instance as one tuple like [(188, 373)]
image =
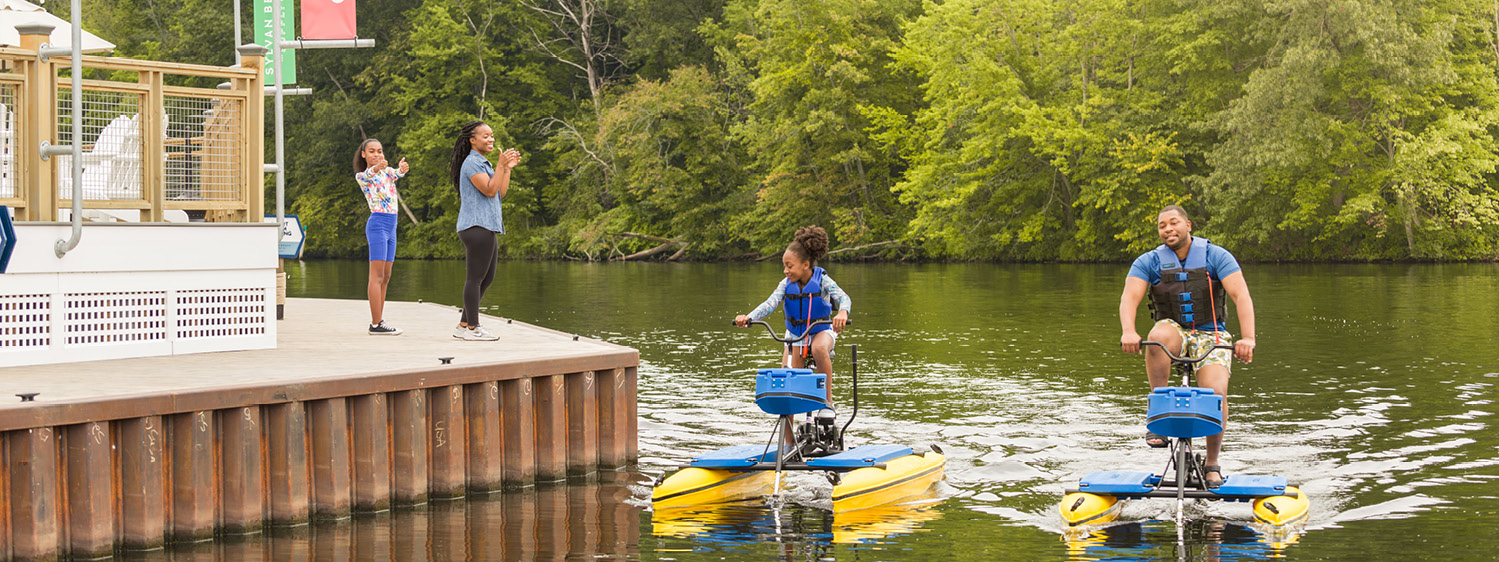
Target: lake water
[(1373, 386)]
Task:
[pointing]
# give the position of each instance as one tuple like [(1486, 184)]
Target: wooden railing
[(152, 151)]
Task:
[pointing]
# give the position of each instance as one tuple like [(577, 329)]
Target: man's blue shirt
[(1221, 264)]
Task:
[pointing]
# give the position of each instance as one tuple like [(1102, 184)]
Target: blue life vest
[(804, 305), (1186, 293)]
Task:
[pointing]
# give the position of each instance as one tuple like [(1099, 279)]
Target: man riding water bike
[(1187, 279)]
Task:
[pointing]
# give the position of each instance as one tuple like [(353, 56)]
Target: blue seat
[(1184, 412), (785, 392)]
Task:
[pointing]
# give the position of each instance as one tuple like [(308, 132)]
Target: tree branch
[(864, 247)]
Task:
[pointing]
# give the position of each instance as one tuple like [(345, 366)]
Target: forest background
[(1008, 130)]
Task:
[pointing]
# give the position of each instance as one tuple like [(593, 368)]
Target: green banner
[(263, 27)]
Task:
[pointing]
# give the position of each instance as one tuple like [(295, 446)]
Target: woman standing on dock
[(378, 181), (481, 187)]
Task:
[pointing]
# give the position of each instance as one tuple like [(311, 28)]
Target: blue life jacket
[(1185, 292), (804, 305)]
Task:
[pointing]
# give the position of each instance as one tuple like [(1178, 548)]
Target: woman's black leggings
[(481, 251)]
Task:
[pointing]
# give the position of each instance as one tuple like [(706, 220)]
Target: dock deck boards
[(320, 341)]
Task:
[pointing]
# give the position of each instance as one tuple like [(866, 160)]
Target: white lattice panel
[(218, 313), (115, 318), (138, 290), (25, 322)]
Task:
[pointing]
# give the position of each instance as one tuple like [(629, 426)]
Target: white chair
[(7, 152), (118, 145)]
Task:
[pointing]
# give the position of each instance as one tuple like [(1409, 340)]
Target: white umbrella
[(18, 12)]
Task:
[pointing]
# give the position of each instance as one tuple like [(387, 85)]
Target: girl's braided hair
[(811, 243), (360, 164), (460, 150)]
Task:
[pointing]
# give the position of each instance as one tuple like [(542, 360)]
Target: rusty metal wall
[(85, 487)]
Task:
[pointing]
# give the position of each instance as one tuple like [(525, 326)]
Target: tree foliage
[(951, 129)]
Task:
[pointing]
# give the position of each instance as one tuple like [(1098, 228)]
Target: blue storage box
[(1185, 412), (784, 392)]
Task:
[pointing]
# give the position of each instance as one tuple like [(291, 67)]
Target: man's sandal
[(1155, 440), (1212, 483)]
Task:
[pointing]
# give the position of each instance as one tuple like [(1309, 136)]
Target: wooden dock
[(138, 453)]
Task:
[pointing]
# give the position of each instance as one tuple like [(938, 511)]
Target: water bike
[(1181, 413), (863, 476)]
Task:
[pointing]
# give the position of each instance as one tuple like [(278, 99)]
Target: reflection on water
[(1374, 388), (543, 523), (1209, 541), (753, 521)]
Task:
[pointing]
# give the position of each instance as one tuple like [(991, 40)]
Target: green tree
[(1367, 134), (1041, 137), (806, 69), (680, 173)]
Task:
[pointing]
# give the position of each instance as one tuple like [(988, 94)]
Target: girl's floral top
[(379, 188)]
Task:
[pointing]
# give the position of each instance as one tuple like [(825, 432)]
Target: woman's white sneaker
[(474, 334)]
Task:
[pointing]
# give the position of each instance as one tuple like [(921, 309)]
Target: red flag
[(328, 19)]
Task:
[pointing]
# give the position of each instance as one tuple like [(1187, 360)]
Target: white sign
[(292, 237)]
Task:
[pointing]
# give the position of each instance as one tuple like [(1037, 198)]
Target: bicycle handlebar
[(804, 335), (1186, 360)]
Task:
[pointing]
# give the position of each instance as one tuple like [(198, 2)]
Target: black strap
[(800, 296), (801, 321)]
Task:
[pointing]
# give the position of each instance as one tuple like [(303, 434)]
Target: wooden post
[(517, 425), (191, 459), (409, 445), (632, 416), (331, 488), (33, 495), (551, 428), (582, 424), (614, 436), (448, 440), (90, 514), (143, 506), (486, 445), (252, 56), (286, 446), (37, 122), (371, 438), (153, 148), (242, 498)]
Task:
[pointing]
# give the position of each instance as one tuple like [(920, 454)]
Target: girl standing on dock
[(810, 296), (378, 181), (481, 187)]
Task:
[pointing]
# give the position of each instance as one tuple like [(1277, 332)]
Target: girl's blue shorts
[(381, 232)]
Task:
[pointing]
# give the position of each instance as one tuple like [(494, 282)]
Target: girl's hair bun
[(811, 242)]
